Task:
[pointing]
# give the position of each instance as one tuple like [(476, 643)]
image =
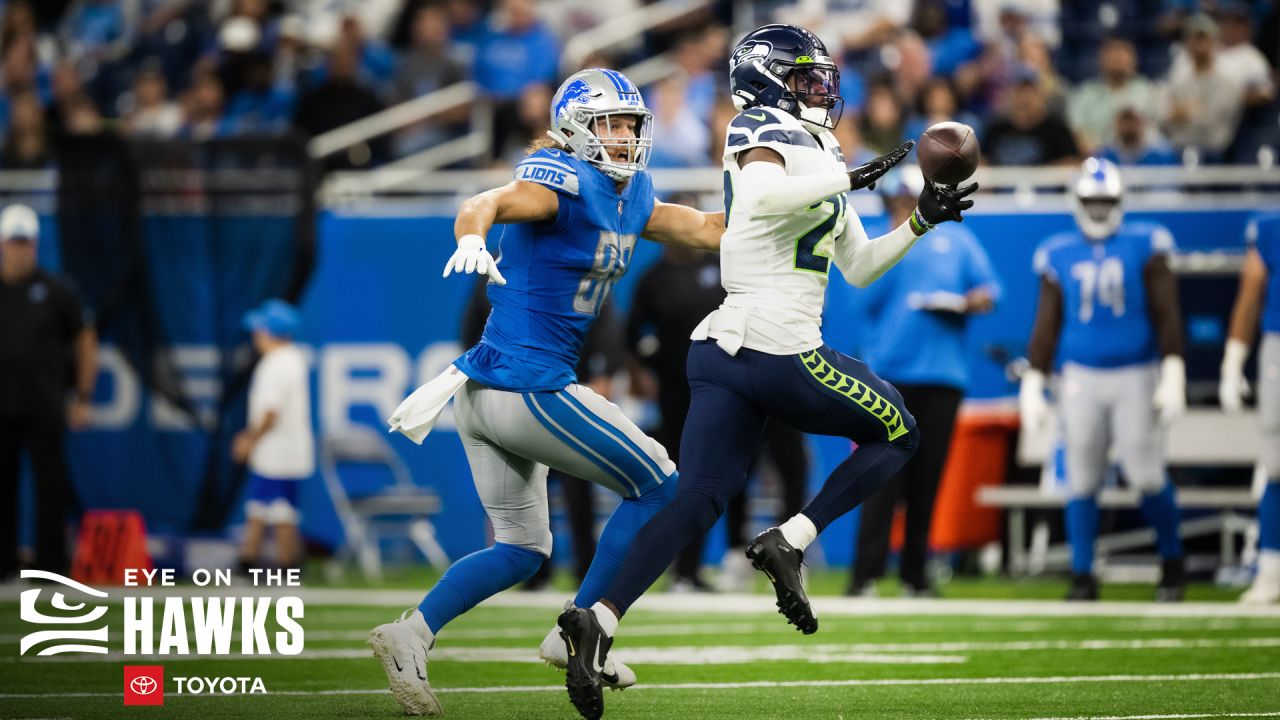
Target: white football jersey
[(774, 267)]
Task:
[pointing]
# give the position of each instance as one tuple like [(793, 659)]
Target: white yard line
[(1180, 716), (734, 604), (863, 653), (887, 682)]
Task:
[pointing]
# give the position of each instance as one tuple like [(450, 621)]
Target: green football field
[(703, 657)]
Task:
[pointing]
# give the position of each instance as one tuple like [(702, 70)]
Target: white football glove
[(1232, 387), (1032, 405), (472, 257), (1171, 392)]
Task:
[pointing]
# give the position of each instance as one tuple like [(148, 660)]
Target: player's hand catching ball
[(942, 203), (472, 257), (865, 176)]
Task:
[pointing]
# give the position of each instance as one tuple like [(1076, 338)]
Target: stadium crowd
[(1137, 81)]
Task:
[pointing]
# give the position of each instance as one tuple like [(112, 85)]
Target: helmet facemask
[(1097, 200), (815, 92), (598, 137)]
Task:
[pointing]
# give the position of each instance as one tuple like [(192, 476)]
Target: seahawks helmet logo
[(575, 92), (746, 52)]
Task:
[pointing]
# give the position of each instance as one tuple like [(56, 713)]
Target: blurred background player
[(277, 445), (761, 354), (1259, 295), (48, 366), (918, 312), (1108, 311), (573, 215), (671, 298)]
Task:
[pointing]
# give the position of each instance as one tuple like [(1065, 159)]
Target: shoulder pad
[(759, 126), (552, 168), (1041, 261)]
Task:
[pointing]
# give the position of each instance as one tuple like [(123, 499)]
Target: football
[(948, 153)]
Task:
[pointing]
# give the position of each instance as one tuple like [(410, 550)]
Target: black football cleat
[(1084, 587), (1173, 581), (588, 647), (771, 554)]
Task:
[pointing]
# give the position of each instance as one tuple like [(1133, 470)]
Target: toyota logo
[(143, 685)]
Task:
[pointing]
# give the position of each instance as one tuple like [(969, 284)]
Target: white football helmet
[(585, 105), (1097, 199)]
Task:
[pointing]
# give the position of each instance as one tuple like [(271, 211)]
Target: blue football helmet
[(786, 67), (586, 105), (1097, 199)]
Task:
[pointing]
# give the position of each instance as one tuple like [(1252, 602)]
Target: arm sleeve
[(767, 189), (862, 260)]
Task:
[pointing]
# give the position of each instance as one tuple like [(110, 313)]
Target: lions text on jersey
[(558, 274), (1105, 320)]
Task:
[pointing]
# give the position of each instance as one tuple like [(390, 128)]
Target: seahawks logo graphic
[(70, 639), (575, 92), (747, 52)]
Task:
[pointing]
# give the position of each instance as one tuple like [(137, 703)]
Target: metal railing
[(625, 27), (392, 119)]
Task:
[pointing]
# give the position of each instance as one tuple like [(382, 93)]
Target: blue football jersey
[(558, 274), (1263, 234), (1105, 320)]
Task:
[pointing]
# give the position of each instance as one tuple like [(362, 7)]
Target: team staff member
[(919, 310), (48, 353)]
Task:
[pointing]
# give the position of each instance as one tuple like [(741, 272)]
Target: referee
[(48, 354)]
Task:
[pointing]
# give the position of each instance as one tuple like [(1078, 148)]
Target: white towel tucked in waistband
[(728, 325), (418, 413)]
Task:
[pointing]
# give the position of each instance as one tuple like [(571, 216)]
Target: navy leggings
[(822, 392)]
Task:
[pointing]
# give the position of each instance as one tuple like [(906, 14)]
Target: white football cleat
[(1266, 584), (553, 651), (402, 647)]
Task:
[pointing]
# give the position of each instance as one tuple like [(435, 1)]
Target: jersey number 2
[(613, 255), (808, 256), (1104, 280)]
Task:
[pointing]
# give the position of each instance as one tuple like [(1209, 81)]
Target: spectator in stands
[(519, 52), (949, 46), (937, 103), (100, 30), (1094, 105), (1136, 142), (856, 26), (1203, 103), (1027, 133), (686, 137), (153, 114), (1005, 21), (17, 20), (429, 64), (918, 312), (202, 106), (1238, 57), (261, 105), (697, 56), (883, 121), (1034, 53), (26, 145), (48, 368), (340, 100), (80, 116), (19, 75), (531, 123)]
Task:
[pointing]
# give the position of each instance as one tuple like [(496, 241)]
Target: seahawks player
[(572, 217), (1108, 311), (1259, 294), (761, 353)]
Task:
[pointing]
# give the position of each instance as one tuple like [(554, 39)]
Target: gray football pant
[(1105, 407), (511, 439), (1269, 404)]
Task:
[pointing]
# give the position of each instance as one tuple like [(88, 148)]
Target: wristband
[(919, 225)]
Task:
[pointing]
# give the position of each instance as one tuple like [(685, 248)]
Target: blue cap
[(277, 317)]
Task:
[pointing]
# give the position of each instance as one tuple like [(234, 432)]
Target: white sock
[(1269, 564), (418, 622), (799, 531), (608, 621)]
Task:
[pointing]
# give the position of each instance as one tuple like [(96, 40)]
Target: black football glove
[(865, 176), (943, 203)]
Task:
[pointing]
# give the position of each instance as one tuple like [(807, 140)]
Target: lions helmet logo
[(575, 92), (746, 52)]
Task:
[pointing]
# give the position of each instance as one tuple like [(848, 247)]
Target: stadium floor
[(730, 656)]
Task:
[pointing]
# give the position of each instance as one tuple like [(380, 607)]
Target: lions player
[(1260, 295), (572, 217), (1108, 309), (761, 353)]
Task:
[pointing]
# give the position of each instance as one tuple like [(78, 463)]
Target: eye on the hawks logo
[(143, 684), (71, 639)]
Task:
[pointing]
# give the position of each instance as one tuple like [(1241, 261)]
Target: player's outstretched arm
[(672, 224), (1232, 386), (515, 202)]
